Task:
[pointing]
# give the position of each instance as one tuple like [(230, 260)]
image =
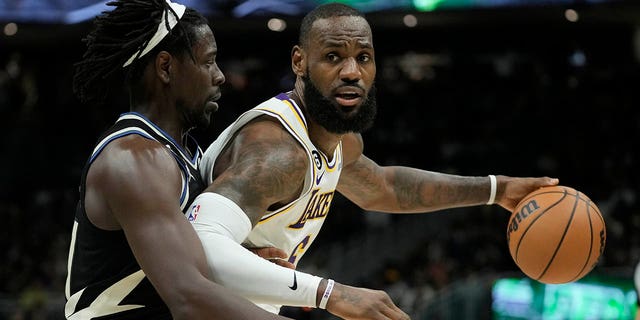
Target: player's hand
[(511, 190), (274, 255), (354, 303)]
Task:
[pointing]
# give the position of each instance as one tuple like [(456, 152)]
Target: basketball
[(556, 235)]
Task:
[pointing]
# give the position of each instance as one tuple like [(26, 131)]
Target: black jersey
[(104, 281)]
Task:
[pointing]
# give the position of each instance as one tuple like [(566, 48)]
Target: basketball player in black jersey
[(133, 254)]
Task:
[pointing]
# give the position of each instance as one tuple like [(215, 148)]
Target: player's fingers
[(283, 263), (269, 252), (274, 255), (551, 181), (394, 313)]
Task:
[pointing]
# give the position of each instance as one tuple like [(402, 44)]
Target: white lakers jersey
[(295, 226)]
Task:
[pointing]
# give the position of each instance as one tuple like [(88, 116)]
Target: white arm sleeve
[(222, 226)]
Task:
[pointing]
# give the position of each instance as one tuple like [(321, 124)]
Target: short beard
[(330, 116)]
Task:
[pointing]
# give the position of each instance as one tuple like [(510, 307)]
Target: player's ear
[(163, 66), (297, 60)]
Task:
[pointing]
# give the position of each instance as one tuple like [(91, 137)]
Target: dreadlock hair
[(322, 12), (125, 31)]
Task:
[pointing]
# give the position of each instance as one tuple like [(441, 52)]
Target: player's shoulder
[(133, 163), (136, 152), (267, 129), (265, 140), (133, 144)]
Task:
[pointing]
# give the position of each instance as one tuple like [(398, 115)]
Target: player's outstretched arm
[(399, 189)]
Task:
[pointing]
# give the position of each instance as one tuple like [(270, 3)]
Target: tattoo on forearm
[(423, 189)]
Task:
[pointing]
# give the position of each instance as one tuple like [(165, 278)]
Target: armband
[(222, 226)]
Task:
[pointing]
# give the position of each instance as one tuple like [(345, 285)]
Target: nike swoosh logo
[(319, 178), (295, 282)]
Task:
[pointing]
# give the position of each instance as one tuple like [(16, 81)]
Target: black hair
[(122, 32), (322, 12)]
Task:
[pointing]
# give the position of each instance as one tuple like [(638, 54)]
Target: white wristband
[(494, 186), (326, 295)]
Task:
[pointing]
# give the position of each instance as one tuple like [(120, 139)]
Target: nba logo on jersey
[(193, 213)]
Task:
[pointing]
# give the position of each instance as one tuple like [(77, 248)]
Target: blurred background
[(470, 87)]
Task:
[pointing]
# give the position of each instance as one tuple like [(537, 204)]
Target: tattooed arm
[(264, 167), (398, 189)]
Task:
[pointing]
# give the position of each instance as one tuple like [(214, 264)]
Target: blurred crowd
[(559, 103)]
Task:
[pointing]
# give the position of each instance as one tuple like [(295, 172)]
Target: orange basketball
[(556, 235)]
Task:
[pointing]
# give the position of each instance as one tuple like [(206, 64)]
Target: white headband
[(162, 30)]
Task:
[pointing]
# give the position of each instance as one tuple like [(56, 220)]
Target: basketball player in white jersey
[(273, 173)]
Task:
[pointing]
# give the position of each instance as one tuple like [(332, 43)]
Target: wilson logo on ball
[(526, 211)]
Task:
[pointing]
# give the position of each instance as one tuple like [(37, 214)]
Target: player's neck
[(324, 140)]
